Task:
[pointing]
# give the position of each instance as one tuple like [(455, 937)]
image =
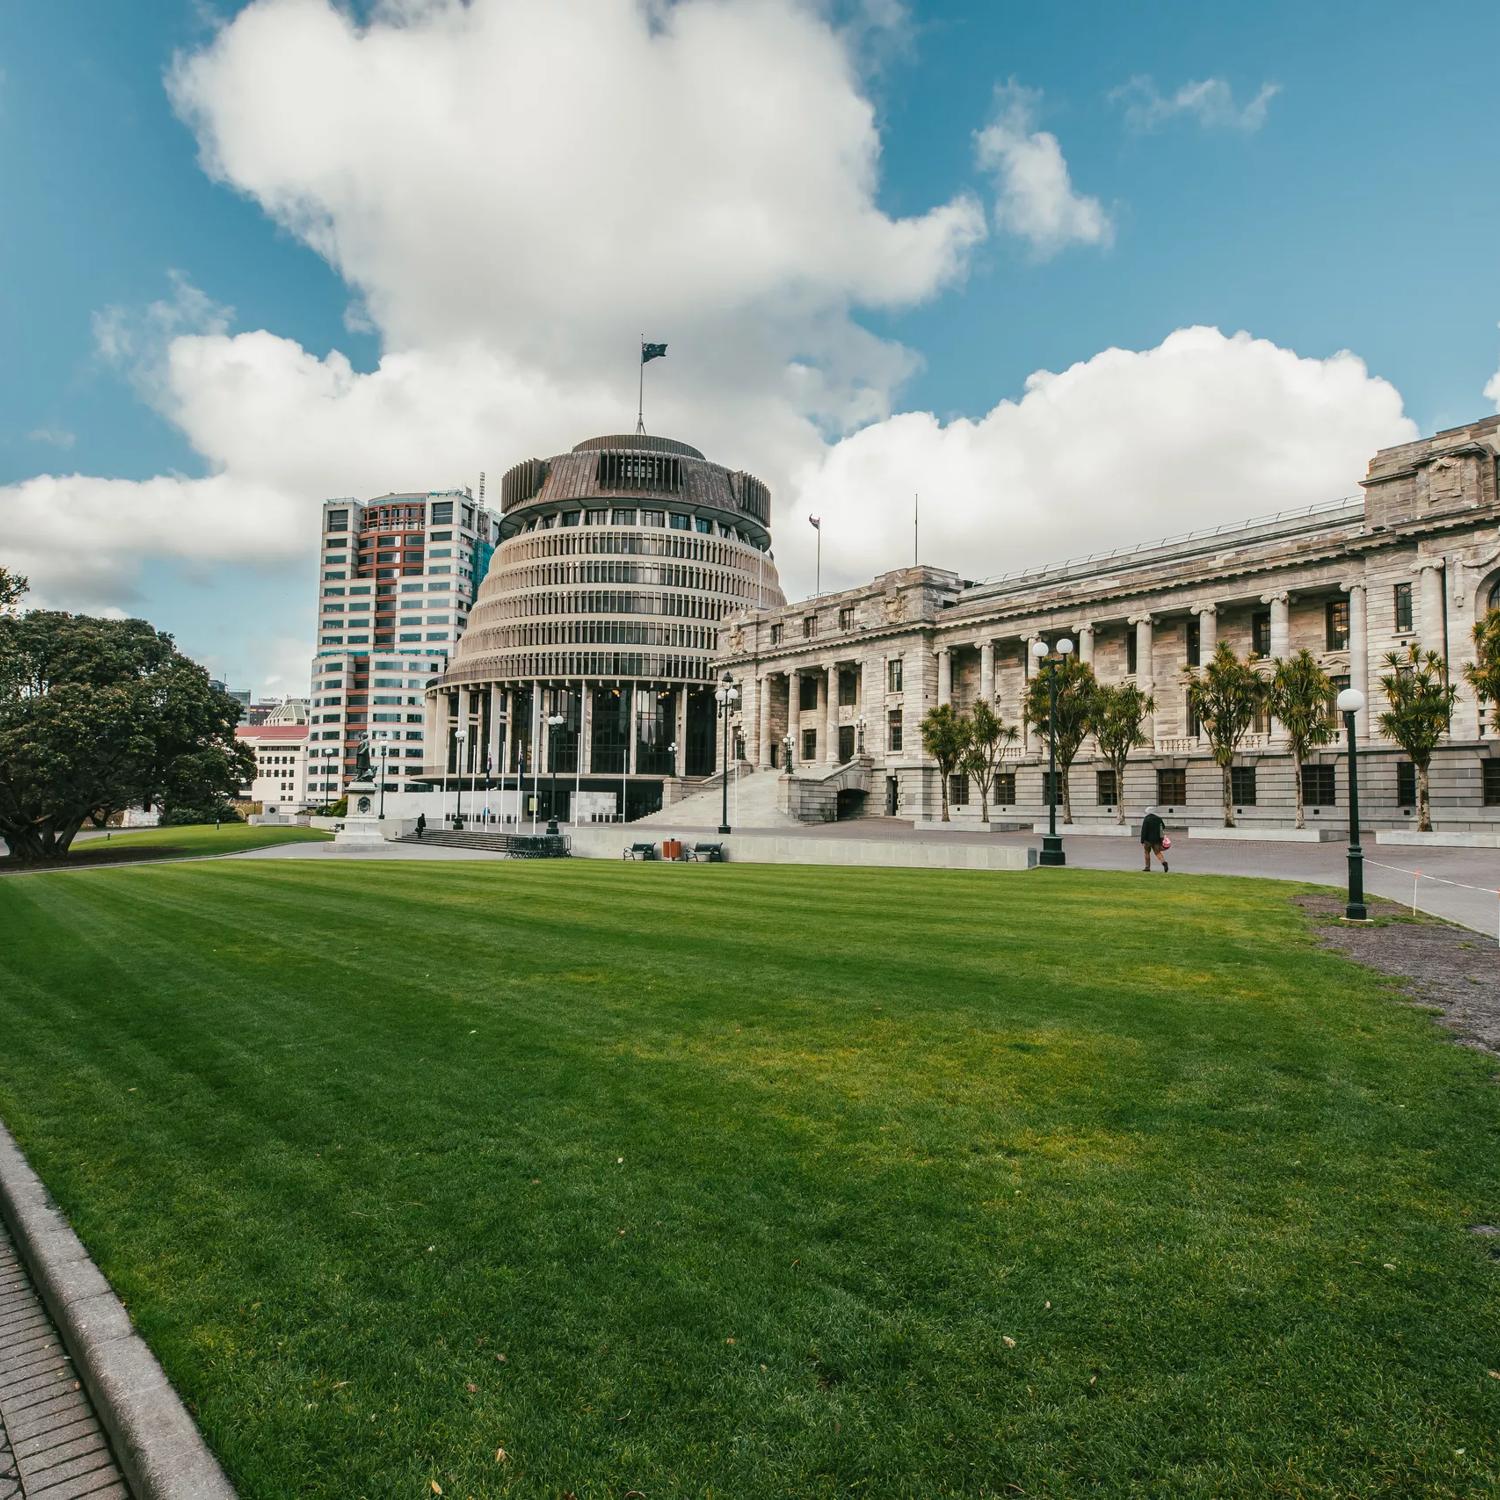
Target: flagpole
[(818, 575), (640, 403), (915, 502)]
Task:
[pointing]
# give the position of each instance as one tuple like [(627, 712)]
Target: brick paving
[(51, 1444)]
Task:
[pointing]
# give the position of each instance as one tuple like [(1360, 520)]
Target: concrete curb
[(155, 1441)]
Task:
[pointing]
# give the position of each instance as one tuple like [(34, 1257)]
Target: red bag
[(1166, 843)]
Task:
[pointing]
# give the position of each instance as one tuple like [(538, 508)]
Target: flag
[(652, 351), (816, 522)]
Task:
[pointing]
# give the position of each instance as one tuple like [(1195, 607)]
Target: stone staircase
[(516, 845), (752, 805)]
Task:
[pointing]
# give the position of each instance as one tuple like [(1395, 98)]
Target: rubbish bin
[(671, 848)]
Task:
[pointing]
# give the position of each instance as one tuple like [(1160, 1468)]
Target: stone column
[(492, 749), (1359, 654), (792, 726), (1086, 644), (763, 708), (1430, 605), (1281, 623), (945, 675), (679, 760), (987, 672), (507, 707), (1145, 641), (1208, 630), (831, 719)]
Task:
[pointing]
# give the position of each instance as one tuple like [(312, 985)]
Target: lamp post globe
[(726, 695), (1052, 848), (554, 723), (1350, 702)]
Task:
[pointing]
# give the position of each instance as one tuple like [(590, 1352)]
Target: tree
[(1117, 715), (1421, 706), (1076, 685), (944, 737), (12, 586), (1225, 694), (98, 715), (1483, 673), (1299, 696), (984, 747)]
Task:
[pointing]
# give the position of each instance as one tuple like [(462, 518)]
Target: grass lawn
[(175, 843), (528, 1179)]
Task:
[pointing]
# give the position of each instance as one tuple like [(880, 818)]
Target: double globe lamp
[(1052, 849)]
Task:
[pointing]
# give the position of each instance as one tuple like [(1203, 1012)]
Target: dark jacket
[(1152, 829)]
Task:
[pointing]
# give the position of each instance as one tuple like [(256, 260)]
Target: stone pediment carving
[(895, 607)]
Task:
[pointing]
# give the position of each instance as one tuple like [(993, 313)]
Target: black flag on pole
[(652, 351)]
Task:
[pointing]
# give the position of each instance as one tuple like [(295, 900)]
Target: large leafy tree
[(1117, 718), (12, 586), (1300, 695), (1483, 673), (1421, 707), (984, 748), (1076, 685), (1225, 693), (98, 715), (945, 735)]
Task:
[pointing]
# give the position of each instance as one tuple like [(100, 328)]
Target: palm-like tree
[(1421, 707), (1117, 715), (1299, 697), (944, 736), (988, 735), (1483, 673), (1225, 694), (1076, 684)]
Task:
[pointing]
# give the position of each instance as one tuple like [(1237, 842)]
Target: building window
[(1194, 723), (1242, 785), (848, 684), (1005, 788), (703, 525), (776, 634), (442, 513), (1489, 780), (893, 731), (1051, 789), (1406, 783), (1317, 786), (338, 520), (1335, 718), (846, 618), (1402, 595), (893, 675), (1104, 788), (1194, 642), (681, 522), (1337, 621), (624, 516), (958, 790), (1260, 633), (807, 693), (1130, 652), (653, 518), (809, 627), (809, 745), (1171, 786)]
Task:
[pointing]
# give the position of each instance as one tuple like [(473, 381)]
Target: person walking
[(1154, 840), (421, 824)]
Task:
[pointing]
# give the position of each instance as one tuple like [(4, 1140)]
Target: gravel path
[(1451, 969)]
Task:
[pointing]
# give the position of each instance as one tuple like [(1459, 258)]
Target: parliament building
[(839, 684)]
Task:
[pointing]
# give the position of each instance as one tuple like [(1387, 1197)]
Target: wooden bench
[(639, 851), (710, 853)]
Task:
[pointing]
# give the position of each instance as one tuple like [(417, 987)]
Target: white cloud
[(1034, 194), (1121, 448), (1208, 100)]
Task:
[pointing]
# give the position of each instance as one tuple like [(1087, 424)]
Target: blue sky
[(1355, 216)]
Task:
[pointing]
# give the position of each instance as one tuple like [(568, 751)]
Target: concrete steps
[(752, 805)]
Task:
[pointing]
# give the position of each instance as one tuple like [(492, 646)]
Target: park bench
[(711, 853), (639, 851)]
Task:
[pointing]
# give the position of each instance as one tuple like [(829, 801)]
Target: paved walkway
[(51, 1444)]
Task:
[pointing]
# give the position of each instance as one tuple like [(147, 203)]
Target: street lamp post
[(1350, 701), (860, 725), (382, 749), (459, 736), (554, 723), (726, 695), (1052, 849), (786, 740)]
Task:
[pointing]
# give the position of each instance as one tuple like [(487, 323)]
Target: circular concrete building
[(585, 670)]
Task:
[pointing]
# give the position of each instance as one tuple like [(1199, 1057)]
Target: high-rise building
[(396, 579), (589, 657)]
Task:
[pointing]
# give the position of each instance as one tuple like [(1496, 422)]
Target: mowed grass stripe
[(872, 1122)]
